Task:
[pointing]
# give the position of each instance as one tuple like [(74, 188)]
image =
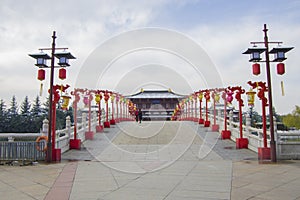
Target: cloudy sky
[(222, 30)]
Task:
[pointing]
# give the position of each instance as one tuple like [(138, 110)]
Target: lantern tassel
[(41, 89), (282, 88)]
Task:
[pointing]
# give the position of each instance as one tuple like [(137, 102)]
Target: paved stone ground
[(154, 160)]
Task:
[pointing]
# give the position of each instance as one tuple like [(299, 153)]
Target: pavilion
[(156, 104)]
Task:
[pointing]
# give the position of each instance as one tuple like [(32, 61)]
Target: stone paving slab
[(252, 180)]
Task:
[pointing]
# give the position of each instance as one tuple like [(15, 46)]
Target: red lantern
[(86, 101), (62, 73), (106, 97), (280, 68), (41, 74), (229, 96), (256, 69)]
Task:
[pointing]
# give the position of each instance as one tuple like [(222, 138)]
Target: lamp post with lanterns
[(87, 101), (106, 98), (112, 99), (195, 107), (117, 107), (264, 153), (279, 56), (227, 97), (200, 96), (41, 59), (98, 98), (240, 142), (216, 98), (75, 143), (207, 99)]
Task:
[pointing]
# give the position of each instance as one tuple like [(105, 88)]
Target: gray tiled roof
[(155, 94)]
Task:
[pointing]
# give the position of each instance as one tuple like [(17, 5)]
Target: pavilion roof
[(156, 94)]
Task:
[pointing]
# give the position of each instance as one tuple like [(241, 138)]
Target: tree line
[(28, 118), (292, 120)]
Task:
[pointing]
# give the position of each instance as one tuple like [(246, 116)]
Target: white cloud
[(83, 25)]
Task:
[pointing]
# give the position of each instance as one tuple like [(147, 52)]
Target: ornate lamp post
[(279, 56), (76, 143), (112, 98), (106, 98), (227, 97), (190, 103), (89, 134), (56, 153), (264, 153), (127, 109), (98, 98), (207, 98), (200, 96), (117, 106), (121, 109), (195, 106), (240, 142), (216, 98), (41, 59)]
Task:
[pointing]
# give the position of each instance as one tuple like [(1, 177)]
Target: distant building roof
[(156, 94)]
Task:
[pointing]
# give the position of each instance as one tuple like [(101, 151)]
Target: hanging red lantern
[(86, 101), (41, 74), (256, 69), (62, 73), (229, 96), (280, 68), (106, 97)]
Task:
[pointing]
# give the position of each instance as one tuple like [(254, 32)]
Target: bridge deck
[(154, 160)]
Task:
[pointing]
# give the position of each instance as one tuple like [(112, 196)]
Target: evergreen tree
[(46, 108), (296, 112), (37, 108), (25, 107), (38, 114), (13, 110), (3, 117), (25, 117), (13, 117), (60, 119)]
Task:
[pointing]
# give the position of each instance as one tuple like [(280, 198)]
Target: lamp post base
[(264, 153), (215, 127), (112, 122), (201, 121), (242, 143), (99, 128), (206, 123), (225, 134), (89, 135), (75, 144), (106, 124), (56, 155)]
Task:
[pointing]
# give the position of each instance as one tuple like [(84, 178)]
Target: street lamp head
[(255, 53), (64, 58), (279, 53), (41, 59)]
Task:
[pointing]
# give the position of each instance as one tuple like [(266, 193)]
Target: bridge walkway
[(154, 160)]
